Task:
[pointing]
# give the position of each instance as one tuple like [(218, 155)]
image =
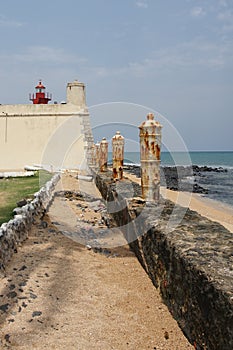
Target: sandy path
[(211, 209), (59, 295)]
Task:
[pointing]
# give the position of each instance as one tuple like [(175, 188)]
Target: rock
[(33, 296), (7, 338), (4, 307), (51, 230), (23, 284), (36, 313), (138, 200), (12, 295), (85, 178), (44, 224), (97, 206), (21, 203), (166, 335), (199, 189)]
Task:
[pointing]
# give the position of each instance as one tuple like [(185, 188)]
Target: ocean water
[(212, 159), (219, 184)]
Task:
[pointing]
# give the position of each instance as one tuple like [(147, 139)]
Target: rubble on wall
[(16, 230)]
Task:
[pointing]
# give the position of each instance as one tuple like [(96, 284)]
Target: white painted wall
[(52, 135)]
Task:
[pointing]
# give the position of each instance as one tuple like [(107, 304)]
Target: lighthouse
[(40, 97)]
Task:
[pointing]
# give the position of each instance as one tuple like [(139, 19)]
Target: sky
[(173, 57)]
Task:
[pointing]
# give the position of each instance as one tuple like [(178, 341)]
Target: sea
[(218, 184)]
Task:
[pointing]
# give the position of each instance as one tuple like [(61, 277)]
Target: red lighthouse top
[(40, 97), (40, 86)]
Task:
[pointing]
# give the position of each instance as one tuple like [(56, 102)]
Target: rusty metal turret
[(150, 144), (103, 155), (118, 143)]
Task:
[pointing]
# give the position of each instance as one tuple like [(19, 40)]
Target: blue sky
[(175, 57)]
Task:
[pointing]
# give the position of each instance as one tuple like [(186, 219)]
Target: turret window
[(39, 90)]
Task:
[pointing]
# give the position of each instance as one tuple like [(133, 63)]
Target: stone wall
[(191, 265), (16, 230)]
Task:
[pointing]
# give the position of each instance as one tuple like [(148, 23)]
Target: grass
[(13, 190)]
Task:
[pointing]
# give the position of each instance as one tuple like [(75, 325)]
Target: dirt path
[(57, 294)]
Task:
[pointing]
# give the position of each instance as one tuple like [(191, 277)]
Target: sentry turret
[(150, 144)]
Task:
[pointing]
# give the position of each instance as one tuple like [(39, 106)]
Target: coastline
[(209, 208)]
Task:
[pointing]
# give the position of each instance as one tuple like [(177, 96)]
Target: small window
[(40, 90)]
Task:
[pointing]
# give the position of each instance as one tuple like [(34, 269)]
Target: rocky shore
[(181, 178)]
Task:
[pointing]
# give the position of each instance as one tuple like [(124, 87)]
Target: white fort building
[(55, 136)]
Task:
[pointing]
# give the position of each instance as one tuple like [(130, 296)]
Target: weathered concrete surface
[(191, 266)]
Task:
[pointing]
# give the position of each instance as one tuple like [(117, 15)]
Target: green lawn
[(14, 189)]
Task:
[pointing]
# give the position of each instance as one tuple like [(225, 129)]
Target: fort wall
[(54, 135)]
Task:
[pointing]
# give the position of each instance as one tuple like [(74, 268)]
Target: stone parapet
[(16, 230), (191, 265)]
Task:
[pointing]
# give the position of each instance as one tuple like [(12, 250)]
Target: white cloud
[(47, 55), (223, 3), (6, 22), (192, 55), (142, 4), (188, 56), (226, 18), (227, 28), (101, 72), (197, 11)]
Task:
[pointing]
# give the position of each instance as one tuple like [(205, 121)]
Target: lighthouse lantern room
[(40, 97)]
